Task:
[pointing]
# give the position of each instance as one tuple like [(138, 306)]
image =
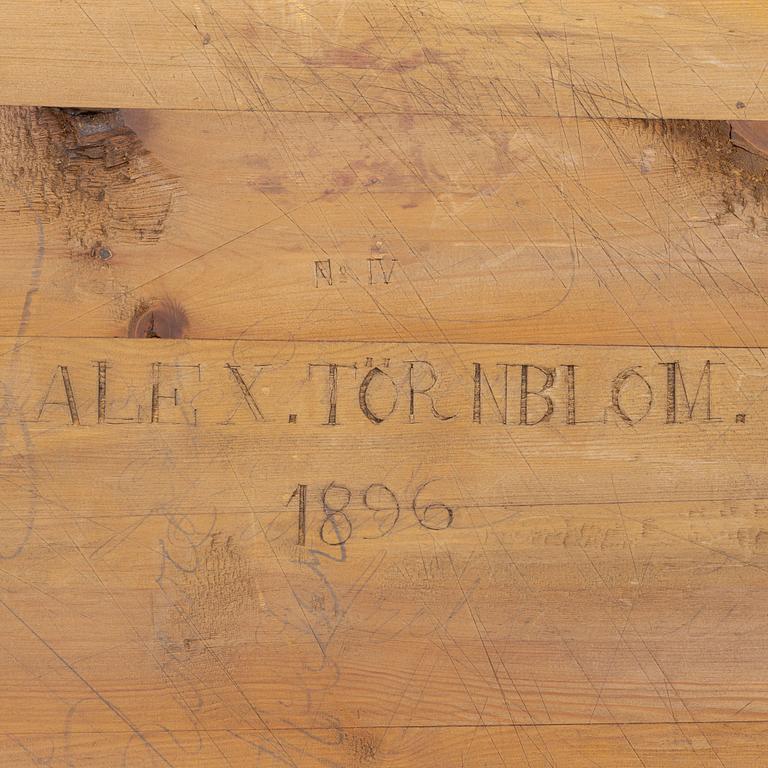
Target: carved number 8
[(335, 515)]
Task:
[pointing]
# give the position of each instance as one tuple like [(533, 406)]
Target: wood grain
[(626, 746), (385, 228), (568, 588), (377, 390), (586, 57)]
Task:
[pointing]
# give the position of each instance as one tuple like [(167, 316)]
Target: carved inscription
[(374, 271), (381, 508), (376, 390)]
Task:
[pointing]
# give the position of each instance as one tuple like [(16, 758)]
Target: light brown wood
[(384, 228), (671, 58), (374, 393), (557, 590), (628, 746)]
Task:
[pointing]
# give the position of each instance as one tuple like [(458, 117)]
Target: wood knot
[(101, 252), (93, 125), (161, 320), (87, 171)]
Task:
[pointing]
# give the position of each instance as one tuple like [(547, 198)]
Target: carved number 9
[(394, 507)]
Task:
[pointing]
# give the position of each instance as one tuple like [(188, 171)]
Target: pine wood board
[(681, 59), (568, 589), (627, 746), (430, 277), (389, 228)]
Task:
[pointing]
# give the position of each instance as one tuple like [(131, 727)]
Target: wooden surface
[(328, 227), (671, 58), (543, 586), (372, 397)]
